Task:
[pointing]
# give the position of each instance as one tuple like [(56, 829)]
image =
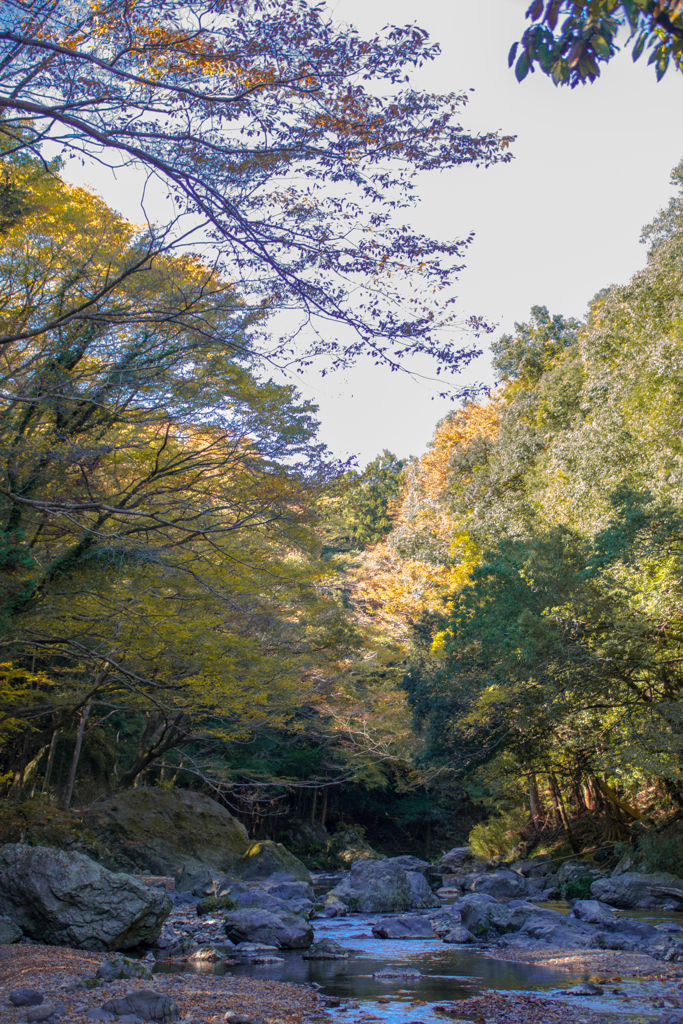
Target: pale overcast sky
[(553, 227)]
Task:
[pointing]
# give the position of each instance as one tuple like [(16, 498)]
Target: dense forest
[(481, 641)]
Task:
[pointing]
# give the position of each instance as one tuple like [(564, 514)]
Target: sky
[(554, 226)]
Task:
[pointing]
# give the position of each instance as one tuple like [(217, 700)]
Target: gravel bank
[(59, 972)]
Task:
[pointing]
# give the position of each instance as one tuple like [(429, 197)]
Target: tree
[(159, 558), (287, 146), (569, 39)]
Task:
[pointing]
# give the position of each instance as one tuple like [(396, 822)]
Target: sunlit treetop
[(569, 39), (289, 145)]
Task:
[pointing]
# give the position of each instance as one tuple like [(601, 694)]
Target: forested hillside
[(486, 639), (540, 546)]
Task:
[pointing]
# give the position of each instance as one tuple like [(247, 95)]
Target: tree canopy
[(287, 147), (568, 40)]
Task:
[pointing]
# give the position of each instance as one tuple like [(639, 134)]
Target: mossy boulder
[(264, 858), (348, 845), (158, 831)]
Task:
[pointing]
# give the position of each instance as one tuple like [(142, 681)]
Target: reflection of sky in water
[(450, 973)]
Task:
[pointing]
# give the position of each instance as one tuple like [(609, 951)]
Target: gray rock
[(245, 948), (409, 926), (608, 940), (445, 920), (501, 884), (334, 907), (632, 889), (554, 933), (481, 915), (586, 988), (409, 863), (122, 967), (35, 1014), (423, 896), (207, 954), (639, 929), (375, 886), (145, 1003), (675, 1017), (262, 859), (285, 931), (266, 901), (9, 932), (594, 912), (460, 935), (130, 1018), (536, 867), (326, 949), (25, 997), (66, 899), (99, 1014), (455, 860), (289, 890), (397, 972)]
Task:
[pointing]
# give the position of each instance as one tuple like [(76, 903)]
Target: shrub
[(213, 903), (498, 836), (579, 889), (661, 852)]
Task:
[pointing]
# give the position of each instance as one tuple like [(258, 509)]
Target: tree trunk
[(50, 762), (324, 814), (315, 800), (74, 761), (534, 800), (559, 802)]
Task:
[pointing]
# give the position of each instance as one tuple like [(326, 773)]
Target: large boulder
[(348, 845), (633, 889), (285, 931), (66, 899), (262, 859), (481, 915), (455, 860), (375, 886), (502, 884), (535, 867), (594, 912), (423, 896), (160, 831)]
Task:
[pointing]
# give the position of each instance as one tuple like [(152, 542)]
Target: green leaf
[(522, 68), (631, 14), (662, 66), (512, 54), (640, 44), (601, 46), (552, 13)]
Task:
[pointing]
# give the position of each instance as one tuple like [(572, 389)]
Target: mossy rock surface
[(37, 824), (161, 830), (264, 858)]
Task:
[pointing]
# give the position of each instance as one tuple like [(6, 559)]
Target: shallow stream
[(449, 973)]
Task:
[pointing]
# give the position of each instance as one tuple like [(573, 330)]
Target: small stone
[(99, 1014), (39, 1013), (241, 1018), (25, 997), (145, 1003), (397, 972)]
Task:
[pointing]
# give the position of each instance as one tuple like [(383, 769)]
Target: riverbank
[(64, 977)]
